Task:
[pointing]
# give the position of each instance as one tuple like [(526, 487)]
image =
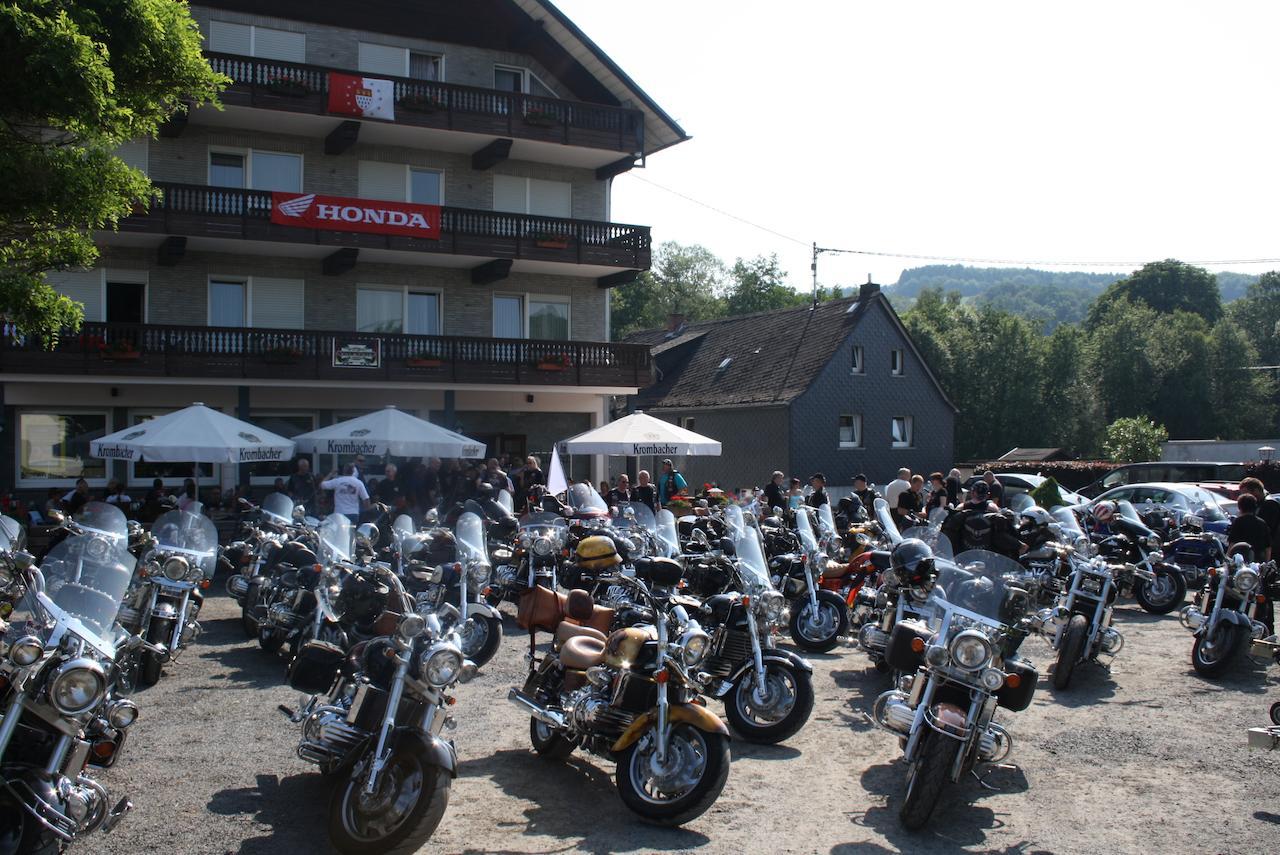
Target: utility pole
[(814, 267)]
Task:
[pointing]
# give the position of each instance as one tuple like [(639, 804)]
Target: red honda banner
[(370, 97), (340, 214)]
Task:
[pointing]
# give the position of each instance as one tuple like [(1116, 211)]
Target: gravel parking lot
[(1147, 758)]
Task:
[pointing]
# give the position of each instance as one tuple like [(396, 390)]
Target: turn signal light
[(450, 700), (746, 602), (205, 584), (917, 645), (1261, 598), (103, 750), (661, 677), (1013, 681)]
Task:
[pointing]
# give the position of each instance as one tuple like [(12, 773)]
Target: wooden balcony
[(154, 350), (296, 88), (196, 210)]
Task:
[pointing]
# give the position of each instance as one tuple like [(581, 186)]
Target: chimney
[(868, 289), (675, 321)]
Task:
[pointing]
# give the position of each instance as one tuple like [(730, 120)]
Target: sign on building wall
[(357, 353), (342, 214)]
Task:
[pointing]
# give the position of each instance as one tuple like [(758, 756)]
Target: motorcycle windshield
[(667, 535), (278, 508), (85, 579), (1069, 525), (1204, 505), (749, 551), (826, 521), (974, 582), (937, 517), (804, 528), (1130, 513), (504, 499), (1019, 502), (402, 527), (584, 499), (886, 521), (106, 520), (192, 536), (469, 535), (335, 538), (635, 515), (9, 533), (545, 524), (938, 542)]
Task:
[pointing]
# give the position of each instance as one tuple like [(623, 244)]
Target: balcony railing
[(197, 210), (275, 85), (155, 350)]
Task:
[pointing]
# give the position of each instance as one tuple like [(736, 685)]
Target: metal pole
[(813, 266)]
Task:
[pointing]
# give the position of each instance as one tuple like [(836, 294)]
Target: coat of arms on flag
[(367, 97)]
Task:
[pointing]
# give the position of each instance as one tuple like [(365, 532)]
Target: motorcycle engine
[(589, 711), (327, 737)]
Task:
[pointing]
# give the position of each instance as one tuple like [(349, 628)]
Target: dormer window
[(511, 78)]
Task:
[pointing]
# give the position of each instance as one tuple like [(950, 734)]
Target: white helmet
[(1104, 511), (1036, 516)]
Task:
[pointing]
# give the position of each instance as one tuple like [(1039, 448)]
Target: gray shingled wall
[(754, 441)]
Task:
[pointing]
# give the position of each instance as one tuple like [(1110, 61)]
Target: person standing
[(646, 493), (994, 488), (190, 495), (818, 495), (77, 497), (1250, 529), (119, 498), (897, 487), (389, 490), (773, 492), (910, 501), (349, 493), (622, 493), (867, 496), (528, 476), (670, 482), (938, 496), (1268, 509), (302, 485), (955, 487)]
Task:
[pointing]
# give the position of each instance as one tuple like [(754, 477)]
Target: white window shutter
[(510, 194), (135, 153), (230, 38), (279, 44), (383, 59), (83, 286), (278, 303), (383, 180), (550, 198)]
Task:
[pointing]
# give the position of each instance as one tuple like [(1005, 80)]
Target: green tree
[(1179, 351), (759, 285), (685, 280), (1165, 286), (1120, 360), (1241, 400), (80, 78), (1131, 440), (1257, 314)]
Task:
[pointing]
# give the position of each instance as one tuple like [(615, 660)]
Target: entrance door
[(126, 302)]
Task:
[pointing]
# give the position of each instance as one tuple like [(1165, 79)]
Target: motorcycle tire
[(737, 704), (151, 663), (413, 831), (547, 742), (1069, 653), (1275, 713), (20, 833), (247, 621), (1232, 639), (830, 603), (926, 779), (485, 649), (1169, 602), (633, 761)]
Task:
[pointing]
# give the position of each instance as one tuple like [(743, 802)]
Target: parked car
[(1180, 499), (1015, 483), (1165, 471)]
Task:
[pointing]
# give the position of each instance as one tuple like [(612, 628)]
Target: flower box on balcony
[(551, 241), (282, 356), (423, 362), (551, 366), (121, 356), (541, 118)]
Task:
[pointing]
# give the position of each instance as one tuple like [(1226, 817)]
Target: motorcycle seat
[(581, 608), (582, 652), (567, 630)]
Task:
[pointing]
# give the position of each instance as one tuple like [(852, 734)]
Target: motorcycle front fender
[(483, 610), (1230, 616), (692, 714), (438, 751), (775, 655)]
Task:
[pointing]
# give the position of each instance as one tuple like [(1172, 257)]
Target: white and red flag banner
[(368, 97), (342, 214)]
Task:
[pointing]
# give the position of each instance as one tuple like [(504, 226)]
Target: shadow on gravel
[(1272, 818), (740, 749), (957, 822), (248, 664), (864, 686), (561, 792), (1141, 616), (1091, 683), (296, 808), (1245, 676)]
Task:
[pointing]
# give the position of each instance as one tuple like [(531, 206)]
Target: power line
[(958, 259)]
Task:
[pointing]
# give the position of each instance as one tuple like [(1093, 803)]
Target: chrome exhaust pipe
[(237, 587), (535, 709)]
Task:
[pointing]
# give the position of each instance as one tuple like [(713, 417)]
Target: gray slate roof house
[(839, 389)]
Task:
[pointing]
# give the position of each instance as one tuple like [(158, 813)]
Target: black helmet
[(484, 491), (911, 563)]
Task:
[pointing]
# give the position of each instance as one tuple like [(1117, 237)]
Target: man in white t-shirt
[(349, 493), (897, 487)]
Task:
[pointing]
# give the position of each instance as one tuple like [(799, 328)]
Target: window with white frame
[(856, 364), (256, 169), (901, 432), (172, 474), (896, 364), (264, 42), (851, 431), (422, 313), (688, 422), (400, 62), (398, 310), (397, 182), (287, 425), (508, 316), (228, 302), (532, 196), (53, 446)]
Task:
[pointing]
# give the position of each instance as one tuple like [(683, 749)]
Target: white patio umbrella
[(641, 434), (389, 431)]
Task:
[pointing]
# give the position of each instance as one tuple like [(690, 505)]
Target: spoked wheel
[(819, 629), (481, 636), (682, 786), (1162, 594), (925, 779), (1214, 652), (774, 711), (402, 812)]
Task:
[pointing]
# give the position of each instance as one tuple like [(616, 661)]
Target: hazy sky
[(1111, 131)]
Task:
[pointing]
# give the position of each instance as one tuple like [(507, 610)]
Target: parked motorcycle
[(818, 617), (1079, 625), (1233, 609), (57, 678), (374, 720), (536, 559), (629, 695), (163, 603), (1159, 587), (962, 668)]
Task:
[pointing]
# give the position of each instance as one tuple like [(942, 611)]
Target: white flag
[(556, 483)]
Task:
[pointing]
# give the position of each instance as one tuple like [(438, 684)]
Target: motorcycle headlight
[(970, 650), (542, 547), (771, 604), (26, 651), (992, 679), (176, 568), (122, 714), (936, 655), (77, 687), (1245, 580), (411, 626), (441, 664), (477, 574), (695, 643)]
